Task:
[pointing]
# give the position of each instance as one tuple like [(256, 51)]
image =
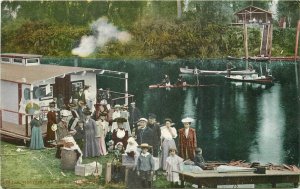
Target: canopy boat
[(177, 86), (187, 70), (254, 78)]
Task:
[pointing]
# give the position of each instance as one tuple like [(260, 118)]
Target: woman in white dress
[(168, 133)]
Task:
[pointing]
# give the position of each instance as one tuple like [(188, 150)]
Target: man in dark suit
[(156, 133), (144, 134)]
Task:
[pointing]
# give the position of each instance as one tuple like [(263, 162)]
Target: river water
[(234, 121)]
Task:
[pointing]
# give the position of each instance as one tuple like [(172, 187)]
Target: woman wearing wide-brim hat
[(120, 134), (168, 133), (51, 119)]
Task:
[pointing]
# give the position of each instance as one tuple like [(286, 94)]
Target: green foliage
[(42, 38)]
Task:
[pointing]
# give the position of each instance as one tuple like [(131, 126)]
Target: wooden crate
[(88, 169)]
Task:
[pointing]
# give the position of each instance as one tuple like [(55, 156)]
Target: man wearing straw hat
[(187, 140)]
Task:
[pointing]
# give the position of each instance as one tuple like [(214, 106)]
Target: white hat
[(69, 139), (64, 113), (117, 106), (143, 119), (187, 120)]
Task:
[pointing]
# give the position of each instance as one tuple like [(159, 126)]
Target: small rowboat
[(254, 78), (157, 86), (213, 72)]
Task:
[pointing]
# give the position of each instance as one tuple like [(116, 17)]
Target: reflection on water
[(269, 136), (189, 108)]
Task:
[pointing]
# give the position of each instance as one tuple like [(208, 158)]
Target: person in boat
[(180, 81), (250, 67), (229, 68), (166, 81)]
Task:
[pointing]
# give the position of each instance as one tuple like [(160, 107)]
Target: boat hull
[(212, 72), (177, 86), (251, 79)]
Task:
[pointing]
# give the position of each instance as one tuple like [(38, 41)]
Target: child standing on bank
[(173, 164), (145, 166)]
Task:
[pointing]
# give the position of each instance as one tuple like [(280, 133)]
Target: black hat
[(52, 104), (168, 119), (72, 105), (120, 120), (87, 111), (152, 116)]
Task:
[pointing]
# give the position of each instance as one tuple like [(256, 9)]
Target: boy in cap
[(187, 140), (145, 166)]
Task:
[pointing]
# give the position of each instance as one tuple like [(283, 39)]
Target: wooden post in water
[(296, 55), (246, 43)]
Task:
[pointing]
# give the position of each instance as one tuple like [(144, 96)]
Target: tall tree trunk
[(179, 10)]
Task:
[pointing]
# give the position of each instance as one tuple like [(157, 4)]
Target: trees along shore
[(154, 39)]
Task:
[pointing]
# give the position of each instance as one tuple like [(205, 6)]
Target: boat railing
[(114, 97)]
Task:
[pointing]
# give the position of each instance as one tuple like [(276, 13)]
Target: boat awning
[(39, 73)]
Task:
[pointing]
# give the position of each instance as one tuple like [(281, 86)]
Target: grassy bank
[(40, 169)]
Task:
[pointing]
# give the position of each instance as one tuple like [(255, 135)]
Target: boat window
[(6, 60), (18, 60), (32, 60)]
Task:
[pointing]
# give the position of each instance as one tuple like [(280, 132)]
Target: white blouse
[(168, 133)]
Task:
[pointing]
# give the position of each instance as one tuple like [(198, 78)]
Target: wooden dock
[(213, 178)]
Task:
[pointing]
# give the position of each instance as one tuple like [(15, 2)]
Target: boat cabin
[(27, 85)]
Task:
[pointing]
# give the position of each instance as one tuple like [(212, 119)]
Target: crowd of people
[(120, 130)]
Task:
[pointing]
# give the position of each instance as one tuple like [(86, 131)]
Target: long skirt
[(102, 146), (166, 145), (36, 141)]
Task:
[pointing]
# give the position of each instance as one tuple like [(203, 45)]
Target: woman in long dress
[(51, 117), (36, 142), (168, 133), (102, 127), (91, 146)]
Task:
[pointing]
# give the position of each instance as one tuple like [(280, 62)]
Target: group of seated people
[(166, 81)]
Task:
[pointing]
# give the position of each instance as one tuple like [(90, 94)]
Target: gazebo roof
[(252, 9)]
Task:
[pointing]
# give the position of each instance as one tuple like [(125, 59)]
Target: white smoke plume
[(103, 33)]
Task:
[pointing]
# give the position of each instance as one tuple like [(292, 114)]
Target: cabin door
[(62, 88)]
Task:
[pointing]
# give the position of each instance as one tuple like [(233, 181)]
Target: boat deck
[(18, 131)]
